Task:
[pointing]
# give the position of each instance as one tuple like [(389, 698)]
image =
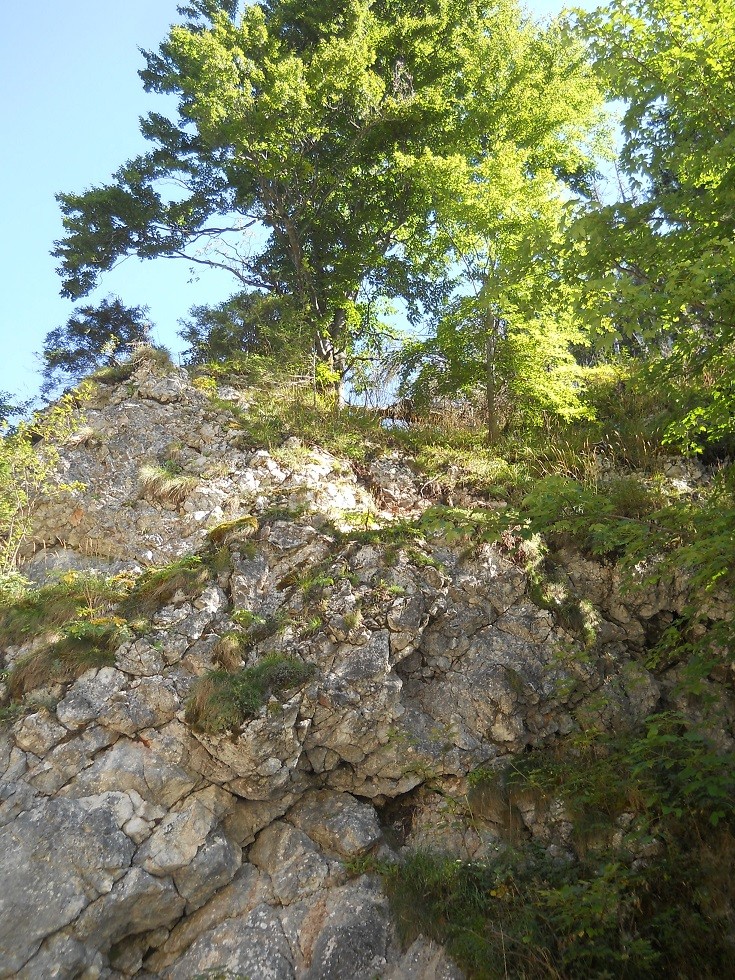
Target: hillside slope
[(241, 682)]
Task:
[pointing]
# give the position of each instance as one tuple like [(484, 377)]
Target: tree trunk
[(493, 428)]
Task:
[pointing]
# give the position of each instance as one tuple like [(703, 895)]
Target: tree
[(246, 323), (509, 326), (11, 407), (659, 260), (304, 130), (94, 337)]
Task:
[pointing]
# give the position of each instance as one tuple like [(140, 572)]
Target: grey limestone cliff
[(137, 842)]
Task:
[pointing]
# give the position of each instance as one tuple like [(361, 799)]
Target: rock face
[(137, 844)]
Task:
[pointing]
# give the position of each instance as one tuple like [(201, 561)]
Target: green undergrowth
[(276, 412), (82, 644), (77, 621), (625, 426), (670, 775), (72, 596), (649, 892), (221, 701), (157, 586)]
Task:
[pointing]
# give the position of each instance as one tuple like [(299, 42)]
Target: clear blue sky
[(70, 99)]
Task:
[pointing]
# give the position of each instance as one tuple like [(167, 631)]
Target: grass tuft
[(240, 529), (155, 588), (83, 644), (166, 484), (220, 701)]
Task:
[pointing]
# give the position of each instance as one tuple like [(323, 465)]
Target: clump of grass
[(282, 512), (258, 628), (114, 374), (155, 588), (313, 585), (239, 529), (158, 356), (166, 483), (221, 701), (218, 561), (83, 644), (229, 650), (40, 610), (474, 468)]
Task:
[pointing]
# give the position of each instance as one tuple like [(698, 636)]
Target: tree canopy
[(660, 258), (93, 337), (313, 141)]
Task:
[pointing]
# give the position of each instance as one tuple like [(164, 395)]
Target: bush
[(609, 912), (83, 644), (220, 701)]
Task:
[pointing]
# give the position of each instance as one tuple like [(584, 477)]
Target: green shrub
[(220, 701), (156, 587), (524, 914)]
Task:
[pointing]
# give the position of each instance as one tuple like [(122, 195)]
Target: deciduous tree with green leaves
[(509, 325), (660, 259), (302, 135)]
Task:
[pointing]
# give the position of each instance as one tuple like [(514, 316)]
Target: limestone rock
[(424, 960), (354, 938), (213, 866), (337, 822), (38, 733), (122, 829), (87, 697), (57, 858), (252, 947), (177, 840), (295, 867)]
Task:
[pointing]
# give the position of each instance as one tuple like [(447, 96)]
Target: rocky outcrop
[(137, 842)]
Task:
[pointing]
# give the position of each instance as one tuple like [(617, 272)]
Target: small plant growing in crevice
[(157, 587), (83, 644), (229, 651), (256, 628), (221, 701)]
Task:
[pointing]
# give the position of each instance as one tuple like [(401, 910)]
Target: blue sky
[(70, 99)]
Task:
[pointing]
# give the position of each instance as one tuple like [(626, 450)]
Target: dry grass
[(157, 587), (164, 485), (239, 529), (228, 652), (84, 644)]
